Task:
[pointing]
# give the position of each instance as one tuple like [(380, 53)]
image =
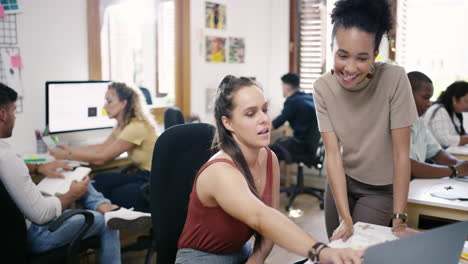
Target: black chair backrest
[(173, 116), (14, 228), (147, 95), (178, 154)]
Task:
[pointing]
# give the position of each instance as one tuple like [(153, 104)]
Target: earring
[(370, 75)]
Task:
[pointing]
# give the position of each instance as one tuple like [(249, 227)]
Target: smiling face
[(354, 54), (114, 107), (250, 123)]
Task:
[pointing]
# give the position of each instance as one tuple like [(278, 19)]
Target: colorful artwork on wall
[(236, 50), (215, 49), (215, 15)]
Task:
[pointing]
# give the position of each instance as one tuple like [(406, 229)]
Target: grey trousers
[(193, 256), (367, 203)]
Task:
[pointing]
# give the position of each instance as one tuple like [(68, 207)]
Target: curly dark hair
[(372, 16)]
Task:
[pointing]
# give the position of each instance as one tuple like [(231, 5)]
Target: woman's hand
[(64, 147), (340, 256), (402, 230), (58, 153), (344, 231)]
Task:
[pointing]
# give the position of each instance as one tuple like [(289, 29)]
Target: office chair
[(147, 95), (15, 236), (310, 159), (178, 154), (173, 116)]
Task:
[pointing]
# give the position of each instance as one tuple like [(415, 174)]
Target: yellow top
[(143, 136), (217, 56)]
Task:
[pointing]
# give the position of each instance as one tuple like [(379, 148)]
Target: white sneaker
[(128, 219)]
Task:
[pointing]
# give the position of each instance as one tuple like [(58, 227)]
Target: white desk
[(459, 152), (421, 202)]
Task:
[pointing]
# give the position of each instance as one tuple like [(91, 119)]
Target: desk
[(459, 152), (421, 202)]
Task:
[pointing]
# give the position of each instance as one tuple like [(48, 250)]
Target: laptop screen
[(441, 245)]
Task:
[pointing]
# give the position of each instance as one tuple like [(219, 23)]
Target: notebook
[(59, 186), (441, 245)]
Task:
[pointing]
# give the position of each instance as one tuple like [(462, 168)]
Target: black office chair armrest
[(74, 246)]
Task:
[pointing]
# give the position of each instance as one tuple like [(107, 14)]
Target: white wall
[(52, 37), (436, 40), (264, 25), (53, 43)]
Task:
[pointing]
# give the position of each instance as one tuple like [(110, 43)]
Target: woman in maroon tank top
[(235, 194)]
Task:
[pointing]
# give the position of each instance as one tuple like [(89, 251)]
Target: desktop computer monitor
[(76, 106)]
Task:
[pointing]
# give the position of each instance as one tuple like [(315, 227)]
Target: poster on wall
[(215, 49), (215, 15), (236, 50)]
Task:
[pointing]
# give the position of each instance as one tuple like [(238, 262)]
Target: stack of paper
[(59, 186), (460, 150), (365, 235)]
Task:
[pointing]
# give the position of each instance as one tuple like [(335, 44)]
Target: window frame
[(182, 53)]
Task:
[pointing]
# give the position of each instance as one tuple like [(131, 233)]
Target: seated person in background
[(445, 117), (235, 194), (299, 111), (135, 133), (39, 210), (423, 145)]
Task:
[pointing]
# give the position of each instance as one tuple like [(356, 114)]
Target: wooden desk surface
[(421, 202), (459, 152)]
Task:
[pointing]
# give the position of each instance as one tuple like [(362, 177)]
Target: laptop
[(441, 245)]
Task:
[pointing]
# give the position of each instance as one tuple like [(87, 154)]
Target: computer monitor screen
[(76, 106)]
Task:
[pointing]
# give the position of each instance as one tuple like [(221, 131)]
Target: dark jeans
[(123, 189), (288, 148), (367, 203)]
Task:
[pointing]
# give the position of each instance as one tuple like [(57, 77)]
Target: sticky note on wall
[(16, 62)]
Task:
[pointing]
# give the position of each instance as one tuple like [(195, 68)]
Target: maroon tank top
[(211, 229)]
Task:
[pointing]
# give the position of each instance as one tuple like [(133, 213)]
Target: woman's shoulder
[(436, 111), (218, 167)]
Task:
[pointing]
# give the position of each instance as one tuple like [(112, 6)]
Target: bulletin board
[(8, 31), (11, 75)]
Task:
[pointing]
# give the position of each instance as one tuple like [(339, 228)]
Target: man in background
[(423, 144), (299, 111), (40, 210)]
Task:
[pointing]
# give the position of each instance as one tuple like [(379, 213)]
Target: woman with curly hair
[(365, 110), (445, 117), (134, 133)]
